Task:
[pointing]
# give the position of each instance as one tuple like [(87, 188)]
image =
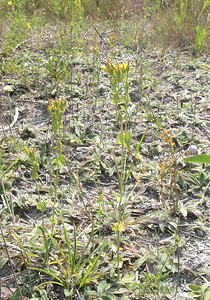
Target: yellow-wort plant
[(119, 81), (118, 74), (56, 109), (169, 168)]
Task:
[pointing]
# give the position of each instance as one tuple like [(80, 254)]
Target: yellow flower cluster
[(77, 3), (29, 151), (57, 105), (119, 226), (28, 24), (117, 70), (56, 109), (78, 11)]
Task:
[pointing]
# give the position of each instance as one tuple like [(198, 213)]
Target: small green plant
[(120, 98), (201, 292), (56, 109), (105, 291), (181, 12), (33, 159), (57, 66), (200, 38), (119, 80), (5, 183), (74, 266)]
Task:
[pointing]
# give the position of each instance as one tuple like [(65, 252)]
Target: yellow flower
[(28, 24), (120, 226), (57, 105), (124, 67), (138, 156), (31, 152), (77, 3), (117, 70)]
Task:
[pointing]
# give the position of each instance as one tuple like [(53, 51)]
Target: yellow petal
[(120, 226)]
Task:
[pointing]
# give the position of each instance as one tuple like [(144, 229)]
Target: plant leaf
[(200, 159), (3, 261), (183, 211), (127, 139)]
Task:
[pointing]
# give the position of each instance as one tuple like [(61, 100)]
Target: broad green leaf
[(127, 139), (124, 139), (139, 262), (199, 159), (3, 261), (183, 211), (128, 278), (103, 286), (120, 139), (195, 288), (207, 295), (205, 287)]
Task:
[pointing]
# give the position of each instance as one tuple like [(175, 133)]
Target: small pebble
[(8, 89), (191, 150)]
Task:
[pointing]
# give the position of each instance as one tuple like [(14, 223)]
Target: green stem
[(118, 252)]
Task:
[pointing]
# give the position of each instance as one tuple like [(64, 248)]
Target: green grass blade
[(70, 261), (46, 244), (88, 272), (141, 141), (47, 282), (75, 250), (77, 267), (48, 273), (56, 244)]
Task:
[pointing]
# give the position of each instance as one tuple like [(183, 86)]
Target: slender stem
[(118, 252), (10, 261)]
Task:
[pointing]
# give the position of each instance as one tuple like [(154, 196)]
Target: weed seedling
[(56, 109), (199, 38), (34, 161), (71, 268)]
